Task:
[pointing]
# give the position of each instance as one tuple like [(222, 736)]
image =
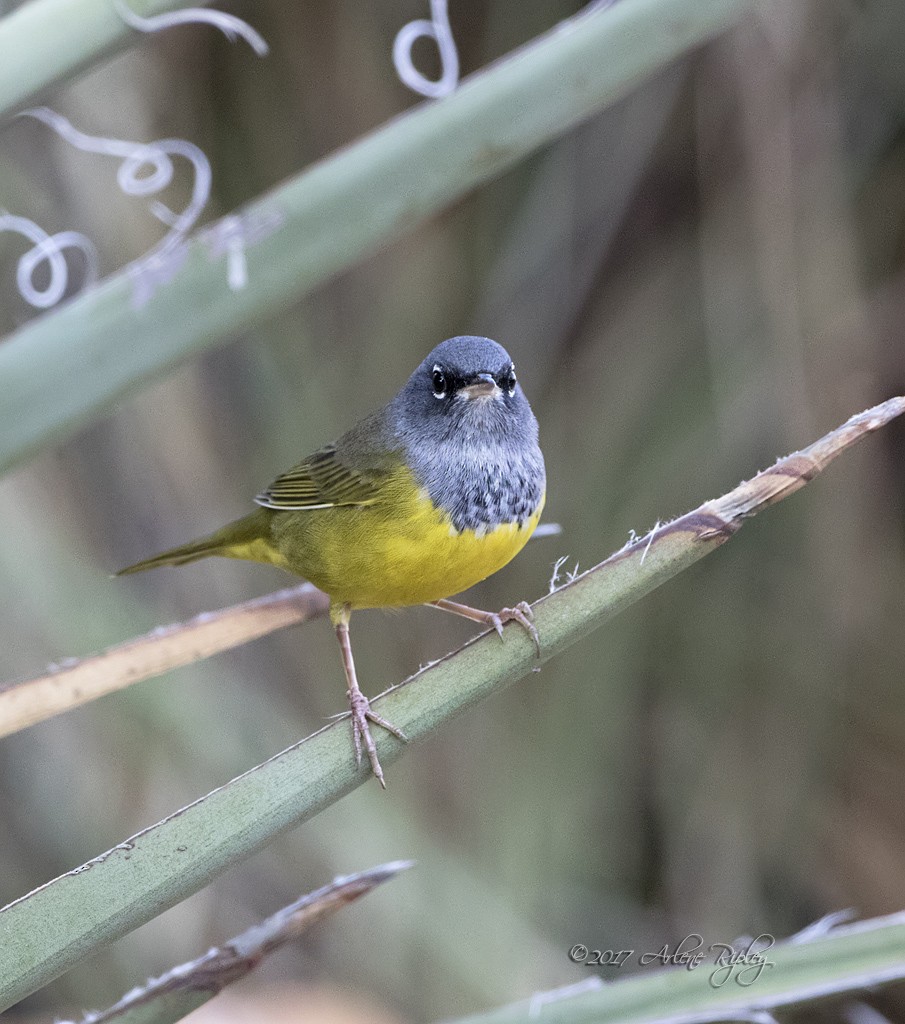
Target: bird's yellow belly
[(404, 570), (400, 553)]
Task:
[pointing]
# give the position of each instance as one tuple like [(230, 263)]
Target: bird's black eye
[(508, 380), (438, 379)]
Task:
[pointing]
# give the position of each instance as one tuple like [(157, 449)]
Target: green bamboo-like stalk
[(45, 42), (49, 930), (850, 958), (66, 367)]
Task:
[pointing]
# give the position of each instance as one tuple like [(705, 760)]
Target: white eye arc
[(438, 379), (512, 379)]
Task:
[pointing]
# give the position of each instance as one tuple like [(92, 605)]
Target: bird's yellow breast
[(400, 550)]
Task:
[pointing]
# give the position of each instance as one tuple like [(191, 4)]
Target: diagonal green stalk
[(848, 959), (63, 369), (45, 42), (46, 932)]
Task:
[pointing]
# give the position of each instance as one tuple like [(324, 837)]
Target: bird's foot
[(360, 707), (522, 613)]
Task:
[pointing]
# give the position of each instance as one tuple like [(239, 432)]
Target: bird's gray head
[(469, 433), (465, 387)]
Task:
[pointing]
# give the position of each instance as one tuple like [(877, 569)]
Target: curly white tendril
[(48, 249), (437, 29), (232, 27), (134, 180), (136, 157)]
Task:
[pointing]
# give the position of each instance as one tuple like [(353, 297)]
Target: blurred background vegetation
[(699, 280)]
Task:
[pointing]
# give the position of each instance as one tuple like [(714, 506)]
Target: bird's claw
[(523, 614), (360, 707)]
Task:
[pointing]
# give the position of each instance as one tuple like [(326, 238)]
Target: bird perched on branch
[(420, 500)]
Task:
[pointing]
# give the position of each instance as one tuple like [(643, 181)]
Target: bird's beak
[(484, 386)]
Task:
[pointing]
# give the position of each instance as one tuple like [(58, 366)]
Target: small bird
[(422, 499)]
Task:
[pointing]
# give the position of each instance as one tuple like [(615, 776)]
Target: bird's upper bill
[(483, 386)]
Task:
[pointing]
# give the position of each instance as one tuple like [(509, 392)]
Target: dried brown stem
[(164, 648), (182, 989)]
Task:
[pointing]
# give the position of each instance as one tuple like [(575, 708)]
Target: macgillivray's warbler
[(422, 499)]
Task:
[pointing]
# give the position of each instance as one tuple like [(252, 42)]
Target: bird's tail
[(247, 538), (175, 556)]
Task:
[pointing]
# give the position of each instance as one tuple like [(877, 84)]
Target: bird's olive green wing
[(323, 480)]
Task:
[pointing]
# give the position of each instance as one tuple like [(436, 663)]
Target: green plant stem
[(46, 932), (848, 959), (45, 42), (63, 369)]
